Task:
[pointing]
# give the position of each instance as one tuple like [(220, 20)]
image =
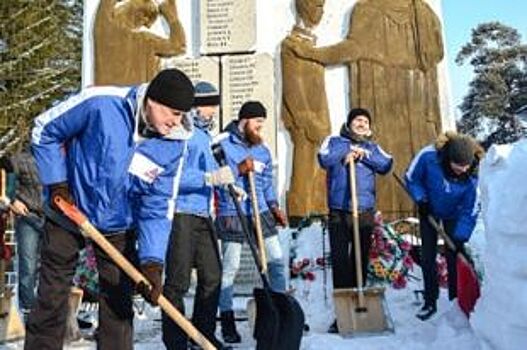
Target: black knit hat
[(206, 94), (460, 150), (172, 88), (355, 112), (252, 109)]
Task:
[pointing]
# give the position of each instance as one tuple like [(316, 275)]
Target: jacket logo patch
[(259, 166), (144, 168)]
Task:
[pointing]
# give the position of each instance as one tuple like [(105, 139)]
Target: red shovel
[(468, 289)]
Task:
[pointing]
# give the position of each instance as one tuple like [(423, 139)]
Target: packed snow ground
[(448, 330)]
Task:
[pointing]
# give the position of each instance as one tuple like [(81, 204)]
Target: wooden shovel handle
[(257, 222), (88, 230), (356, 233)]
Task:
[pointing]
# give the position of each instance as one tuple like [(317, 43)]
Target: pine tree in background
[(40, 60), (499, 87)]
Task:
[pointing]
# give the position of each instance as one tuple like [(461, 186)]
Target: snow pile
[(500, 317)]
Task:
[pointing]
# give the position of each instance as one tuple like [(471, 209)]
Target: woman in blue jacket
[(354, 144), (442, 180)]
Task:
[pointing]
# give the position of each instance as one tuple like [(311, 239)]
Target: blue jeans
[(28, 233), (231, 252)]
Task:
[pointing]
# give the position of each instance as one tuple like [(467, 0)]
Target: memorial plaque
[(249, 77), (203, 68), (227, 26), (198, 69)]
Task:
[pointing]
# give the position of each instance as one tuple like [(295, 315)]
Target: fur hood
[(443, 139)]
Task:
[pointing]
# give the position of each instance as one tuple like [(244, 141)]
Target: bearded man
[(244, 153)]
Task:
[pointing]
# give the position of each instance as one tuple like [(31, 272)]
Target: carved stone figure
[(126, 52), (305, 115), (397, 45)]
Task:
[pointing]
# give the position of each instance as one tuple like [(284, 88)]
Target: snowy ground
[(448, 330)]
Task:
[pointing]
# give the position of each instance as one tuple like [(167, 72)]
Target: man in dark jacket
[(442, 180), (354, 144), (26, 204), (193, 241), (244, 152)]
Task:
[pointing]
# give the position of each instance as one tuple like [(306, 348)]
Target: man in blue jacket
[(193, 241), (442, 180), (116, 153), (244, 151), (354, 144)]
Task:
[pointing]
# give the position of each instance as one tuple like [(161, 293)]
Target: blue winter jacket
[(195, 197), (237, 150), (449, 198), (331, 157), (118, 179)]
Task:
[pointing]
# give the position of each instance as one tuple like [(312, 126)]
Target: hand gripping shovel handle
[(257, 222), (89, 231), (356, 235), (438, 228)]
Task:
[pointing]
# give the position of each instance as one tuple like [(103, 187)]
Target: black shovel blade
[(279, 321)]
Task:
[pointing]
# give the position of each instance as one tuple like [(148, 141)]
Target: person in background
[(193, 240), (245, 152), (442, 180), (26, 204), (354, 144)]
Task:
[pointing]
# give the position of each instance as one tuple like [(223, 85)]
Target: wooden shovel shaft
[(91, 232), (3, 183), (356, 234), (450, 244), (257, 222)]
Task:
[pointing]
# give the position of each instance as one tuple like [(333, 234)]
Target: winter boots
[(428, 310), (333, 329), (228, 328)]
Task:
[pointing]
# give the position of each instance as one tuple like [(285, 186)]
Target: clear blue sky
[(461, 16)]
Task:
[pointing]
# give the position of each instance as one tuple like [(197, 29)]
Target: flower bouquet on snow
[(390, 260)]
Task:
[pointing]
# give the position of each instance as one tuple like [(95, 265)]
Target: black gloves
[(60, 189), (423, 208), (246, 166), (153, 272)]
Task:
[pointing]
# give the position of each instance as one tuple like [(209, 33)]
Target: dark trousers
[(59, 255), (342, 251), (193, 243), (428, 260)]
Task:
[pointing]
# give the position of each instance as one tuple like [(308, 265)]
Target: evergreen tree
[(40, 60), (499, 87)]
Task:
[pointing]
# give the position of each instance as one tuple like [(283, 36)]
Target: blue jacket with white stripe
[(195, 197), (237, 150), (331, 157), (118, 179), (449, 198)]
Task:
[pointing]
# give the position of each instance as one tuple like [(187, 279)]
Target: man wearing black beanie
[(353, 144), (245, 152), (116, 153)]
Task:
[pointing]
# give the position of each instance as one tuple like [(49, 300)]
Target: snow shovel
[(89, 231), (360, 310), (279, 318), (468, 289)]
